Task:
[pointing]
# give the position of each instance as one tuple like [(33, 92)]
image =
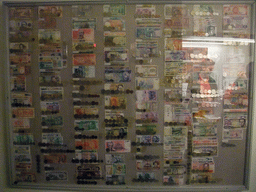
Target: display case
[(129, 95)]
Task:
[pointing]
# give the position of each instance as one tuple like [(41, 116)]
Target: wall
[(3, 130)]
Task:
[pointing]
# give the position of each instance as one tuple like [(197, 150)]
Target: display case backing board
[(64, 24)]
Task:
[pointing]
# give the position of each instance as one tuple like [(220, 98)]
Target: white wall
[(3, 160)]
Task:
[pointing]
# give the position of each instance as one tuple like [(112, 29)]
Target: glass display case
[(130, 95)]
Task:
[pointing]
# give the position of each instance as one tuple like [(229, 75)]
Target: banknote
[(51, 93), (232, 134), (21, 99), (52, 138), (20, 70), (203, 164), (116, 133), (116, 87), (176, 96), (113, 102), (236, 71), (175, 55), (204, 141), (115, 56), (177, 113), (113, 24), (114, 39), (86, 112), (240, 84), (146, 117), (22, 149), (91, 156), (20, 25), (205, 26), (81, 46), (176, 131), (175, 143), (118, 146), (50, 120), (146, 70), (47, 22), (145, 176), (84, 59), (114, 158), (54, 52), (201, 150), (22, 158), (117, 74), (51, 107), (146, 106), (115, 118), (20, 31), (147, 165), (205, 115), (18, 83), (50, 62), (148, 22), (23, 112), (204, 130), (236, 9), (23, 138), (175, 170), (50, 78), (174, 180), (20, 59), (175, 11), (174, 33), (142, 83), (114, 10), (236, 34), (173, 44), (48, 37), (148, 139), (79, 11), (235, 120), (148, 32), (84, 23), (116, 169), (89, 171), (145, 10), (25, 176), (201, 178), (146, 129), (56, 176), (21, 12), (55, 158), (52, 11), (173, 157), (204, 10), (87, 144), (236, 23), (85, 35), (115, 179), (83, 71), (21, 123), (86, 125), (19, 48), (146, 49), (175, 68), (177, 23), (23, 166), (201, 78)]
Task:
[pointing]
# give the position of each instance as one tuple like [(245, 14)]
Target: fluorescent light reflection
[(209, 41)]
